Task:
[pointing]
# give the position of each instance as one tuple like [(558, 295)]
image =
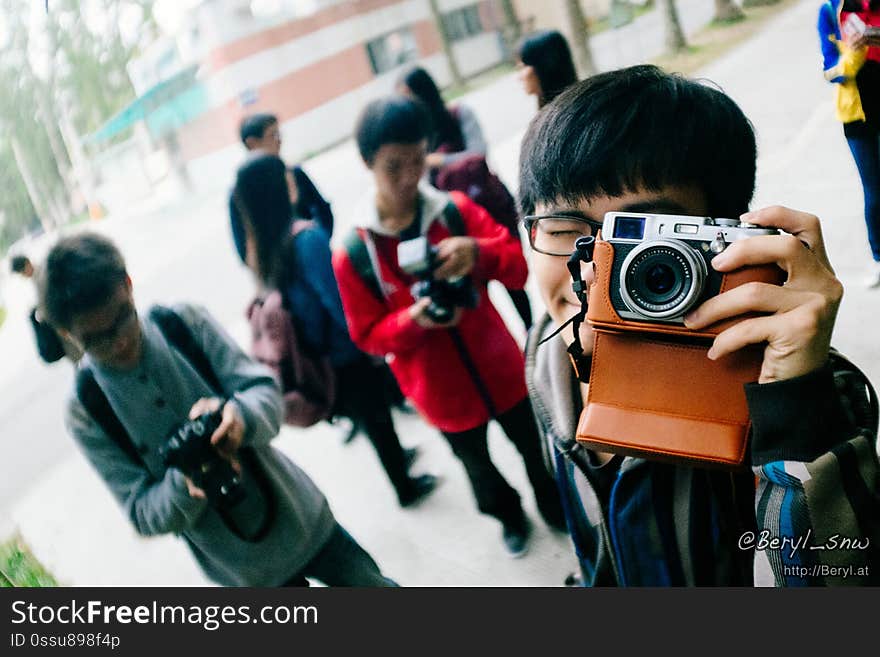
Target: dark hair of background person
[(392, 120), (639, 127), (255, 126), (81, 274), (859, 5), (262, 199), (548, 53), (445, 126), (18, 263)]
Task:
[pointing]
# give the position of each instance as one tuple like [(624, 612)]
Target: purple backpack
[(472, 176), (308, 383)]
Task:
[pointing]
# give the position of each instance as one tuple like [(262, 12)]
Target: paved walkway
[(75, 529)]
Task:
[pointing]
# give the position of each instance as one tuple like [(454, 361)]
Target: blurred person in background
[(141, 379), (851, 61), (458, 364), (457, 161), (299, 265), (51, 346), (545, 66), (261, 133)]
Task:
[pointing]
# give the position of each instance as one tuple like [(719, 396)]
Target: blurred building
[(314, 63)]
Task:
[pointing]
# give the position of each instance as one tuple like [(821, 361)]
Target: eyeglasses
[(102, 341), (556, 234)]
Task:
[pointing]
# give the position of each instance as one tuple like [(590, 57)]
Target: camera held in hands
[(662, 263), (189, 449), (418, 258), (653, 390)]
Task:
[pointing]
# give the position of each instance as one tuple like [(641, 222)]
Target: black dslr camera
[(418, 258), (189, 449)]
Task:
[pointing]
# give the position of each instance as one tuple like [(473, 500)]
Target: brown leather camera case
[(653, 390)]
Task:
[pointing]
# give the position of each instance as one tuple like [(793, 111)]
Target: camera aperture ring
[(667, 264)]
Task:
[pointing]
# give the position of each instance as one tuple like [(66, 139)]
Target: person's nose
[(411, 177)]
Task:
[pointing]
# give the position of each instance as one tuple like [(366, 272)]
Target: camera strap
[(583, 253)]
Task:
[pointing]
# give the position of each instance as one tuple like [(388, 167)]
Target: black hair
[(262, 198), (392, 120), (18, 263), (548, 53), (446, 127), (82, 273), (639, 127), (255, 126)]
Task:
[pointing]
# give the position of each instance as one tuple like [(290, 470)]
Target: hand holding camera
[(230, 432), (421, 315), (203, 449), (456, 257), (440, 290), (798, 318), (684, 312)]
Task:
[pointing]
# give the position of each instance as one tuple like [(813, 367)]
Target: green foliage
[(18, 567), (62, 63)]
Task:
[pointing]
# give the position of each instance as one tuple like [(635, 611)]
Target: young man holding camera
[(141, 379), (639, 140), (451, 352)]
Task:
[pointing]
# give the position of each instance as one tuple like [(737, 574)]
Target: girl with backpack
[(296, 260), (457, 161)]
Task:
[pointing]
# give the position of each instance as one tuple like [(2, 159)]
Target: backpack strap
[(453, 219), (95, 400), (98, 407), (179, 335), (356, 248), (357, 252), (858, 397)]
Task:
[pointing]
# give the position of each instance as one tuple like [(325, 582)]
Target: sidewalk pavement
[(74, 527)]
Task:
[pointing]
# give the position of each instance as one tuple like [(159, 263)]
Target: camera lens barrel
[(662, 279)]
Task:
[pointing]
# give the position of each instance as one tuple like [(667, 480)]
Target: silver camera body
[(662, 262)]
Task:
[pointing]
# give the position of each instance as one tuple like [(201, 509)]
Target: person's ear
[(251, 143)]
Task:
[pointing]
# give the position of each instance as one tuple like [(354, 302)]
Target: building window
[(392, 50), (463, 23)]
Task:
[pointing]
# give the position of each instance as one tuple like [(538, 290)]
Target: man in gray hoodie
[(147, 380)]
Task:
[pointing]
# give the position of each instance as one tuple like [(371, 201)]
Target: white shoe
[(872, 281)]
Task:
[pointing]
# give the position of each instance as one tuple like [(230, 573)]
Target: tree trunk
[(512, 30), (727, 11), (82, 168), (580, 38), (454, 71), (675, 40), (46, 213)]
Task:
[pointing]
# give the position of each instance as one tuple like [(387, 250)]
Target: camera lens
[(662, 279)]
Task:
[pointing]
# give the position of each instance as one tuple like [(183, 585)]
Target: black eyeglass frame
[(531, 219)]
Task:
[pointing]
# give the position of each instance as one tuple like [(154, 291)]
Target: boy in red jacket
[(467, 369)]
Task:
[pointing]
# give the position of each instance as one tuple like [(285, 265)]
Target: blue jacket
[(313, 298)]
